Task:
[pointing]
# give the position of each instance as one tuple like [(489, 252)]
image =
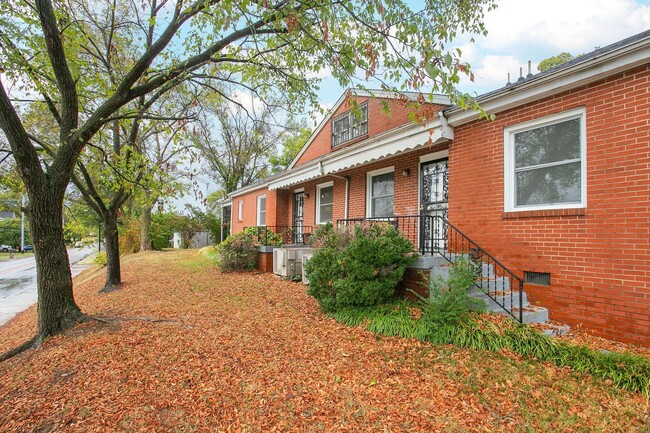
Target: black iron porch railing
[(281, 235), (434, 234)]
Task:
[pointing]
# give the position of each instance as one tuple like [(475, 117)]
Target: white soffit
[(385, 145)]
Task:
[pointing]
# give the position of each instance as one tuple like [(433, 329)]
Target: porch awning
[(406, 139)]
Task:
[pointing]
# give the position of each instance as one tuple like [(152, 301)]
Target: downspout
[(446, 131)]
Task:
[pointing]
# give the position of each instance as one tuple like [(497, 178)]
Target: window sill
[(349, 142), (545, 213)]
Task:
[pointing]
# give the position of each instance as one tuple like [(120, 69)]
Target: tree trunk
[(145, 228), (112, 248), (57, 310)]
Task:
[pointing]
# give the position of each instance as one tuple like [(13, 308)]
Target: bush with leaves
[(100, 259), (265, 236), (237, 253), (357, 267), (449, 301)]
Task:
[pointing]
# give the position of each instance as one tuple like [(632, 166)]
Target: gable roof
[(437, 99)]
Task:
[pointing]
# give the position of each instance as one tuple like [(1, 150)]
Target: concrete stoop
[(499, 288)]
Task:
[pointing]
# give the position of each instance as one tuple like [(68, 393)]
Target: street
[(18, 282)]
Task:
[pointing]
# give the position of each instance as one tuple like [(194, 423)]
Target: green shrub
[(358, 267), (449, 302), (237, 253), (265, 236), (100, 259)]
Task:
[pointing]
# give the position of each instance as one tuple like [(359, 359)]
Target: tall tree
[(293, 139), (265, 47), (236, 143)]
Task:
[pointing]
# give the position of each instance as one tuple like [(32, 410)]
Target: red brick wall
[(598, 257), (406, 188), (416, 280), (378, 122), (250, 209), (264, 262)]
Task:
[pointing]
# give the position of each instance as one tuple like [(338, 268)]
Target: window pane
[(550, 185), (262, 219), (382, 207), (326, 195), (263, 204), (325, 213), (382, 185), (551, 143), (360, 123), (325, 198)]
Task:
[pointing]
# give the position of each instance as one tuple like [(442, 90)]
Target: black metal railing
[(434, 234), (281, 235)]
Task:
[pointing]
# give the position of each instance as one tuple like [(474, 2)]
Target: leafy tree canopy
[(554, 61), (295, 136)]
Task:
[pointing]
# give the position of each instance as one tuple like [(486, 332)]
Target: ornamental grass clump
[(358, 266)]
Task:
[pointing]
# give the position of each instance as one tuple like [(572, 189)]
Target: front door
[(434, 192), (298, 217)]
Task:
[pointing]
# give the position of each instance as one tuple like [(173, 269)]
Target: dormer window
[(350, 125)]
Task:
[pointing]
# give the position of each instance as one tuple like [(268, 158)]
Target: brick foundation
[(416, 280), (264, 261)]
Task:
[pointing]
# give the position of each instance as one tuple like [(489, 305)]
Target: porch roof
[(399, 140)]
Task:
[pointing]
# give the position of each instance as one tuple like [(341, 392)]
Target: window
[(545, 163), (380, 193), (350, 125), (261, 210), (240, 211), (324, 200)]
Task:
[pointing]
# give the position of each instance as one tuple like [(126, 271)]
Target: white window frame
[(369, 176), (509, 182), (259, 199), (318, 188), (240, 211), (353, 130)]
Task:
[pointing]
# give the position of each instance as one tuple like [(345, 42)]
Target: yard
[(185, 348)]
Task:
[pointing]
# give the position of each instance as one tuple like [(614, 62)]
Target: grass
[(17, 255), (252, 352), (624, 370)]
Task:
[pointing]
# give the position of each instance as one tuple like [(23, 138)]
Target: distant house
[(4, 215), (555, 190)]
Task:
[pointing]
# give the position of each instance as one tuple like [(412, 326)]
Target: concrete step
[(553, 329), (531, 314), (508, 299), (498, 284)]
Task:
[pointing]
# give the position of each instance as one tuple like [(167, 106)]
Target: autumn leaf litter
[(185, 348)]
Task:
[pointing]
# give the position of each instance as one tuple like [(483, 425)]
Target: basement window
[(539, 278)]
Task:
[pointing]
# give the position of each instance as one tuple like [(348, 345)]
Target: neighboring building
[(557, 188), (198, 240), (5, 215)]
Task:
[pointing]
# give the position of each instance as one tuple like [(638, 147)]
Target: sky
[(523, 30)]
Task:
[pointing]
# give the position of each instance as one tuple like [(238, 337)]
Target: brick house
[(556, 188)]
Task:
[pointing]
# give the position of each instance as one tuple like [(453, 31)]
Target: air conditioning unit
[(287, 262), (305, 258)]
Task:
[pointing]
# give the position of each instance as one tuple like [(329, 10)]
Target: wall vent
[(541, 278)]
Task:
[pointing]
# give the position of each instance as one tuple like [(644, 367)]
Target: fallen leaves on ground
[(184, 348)]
